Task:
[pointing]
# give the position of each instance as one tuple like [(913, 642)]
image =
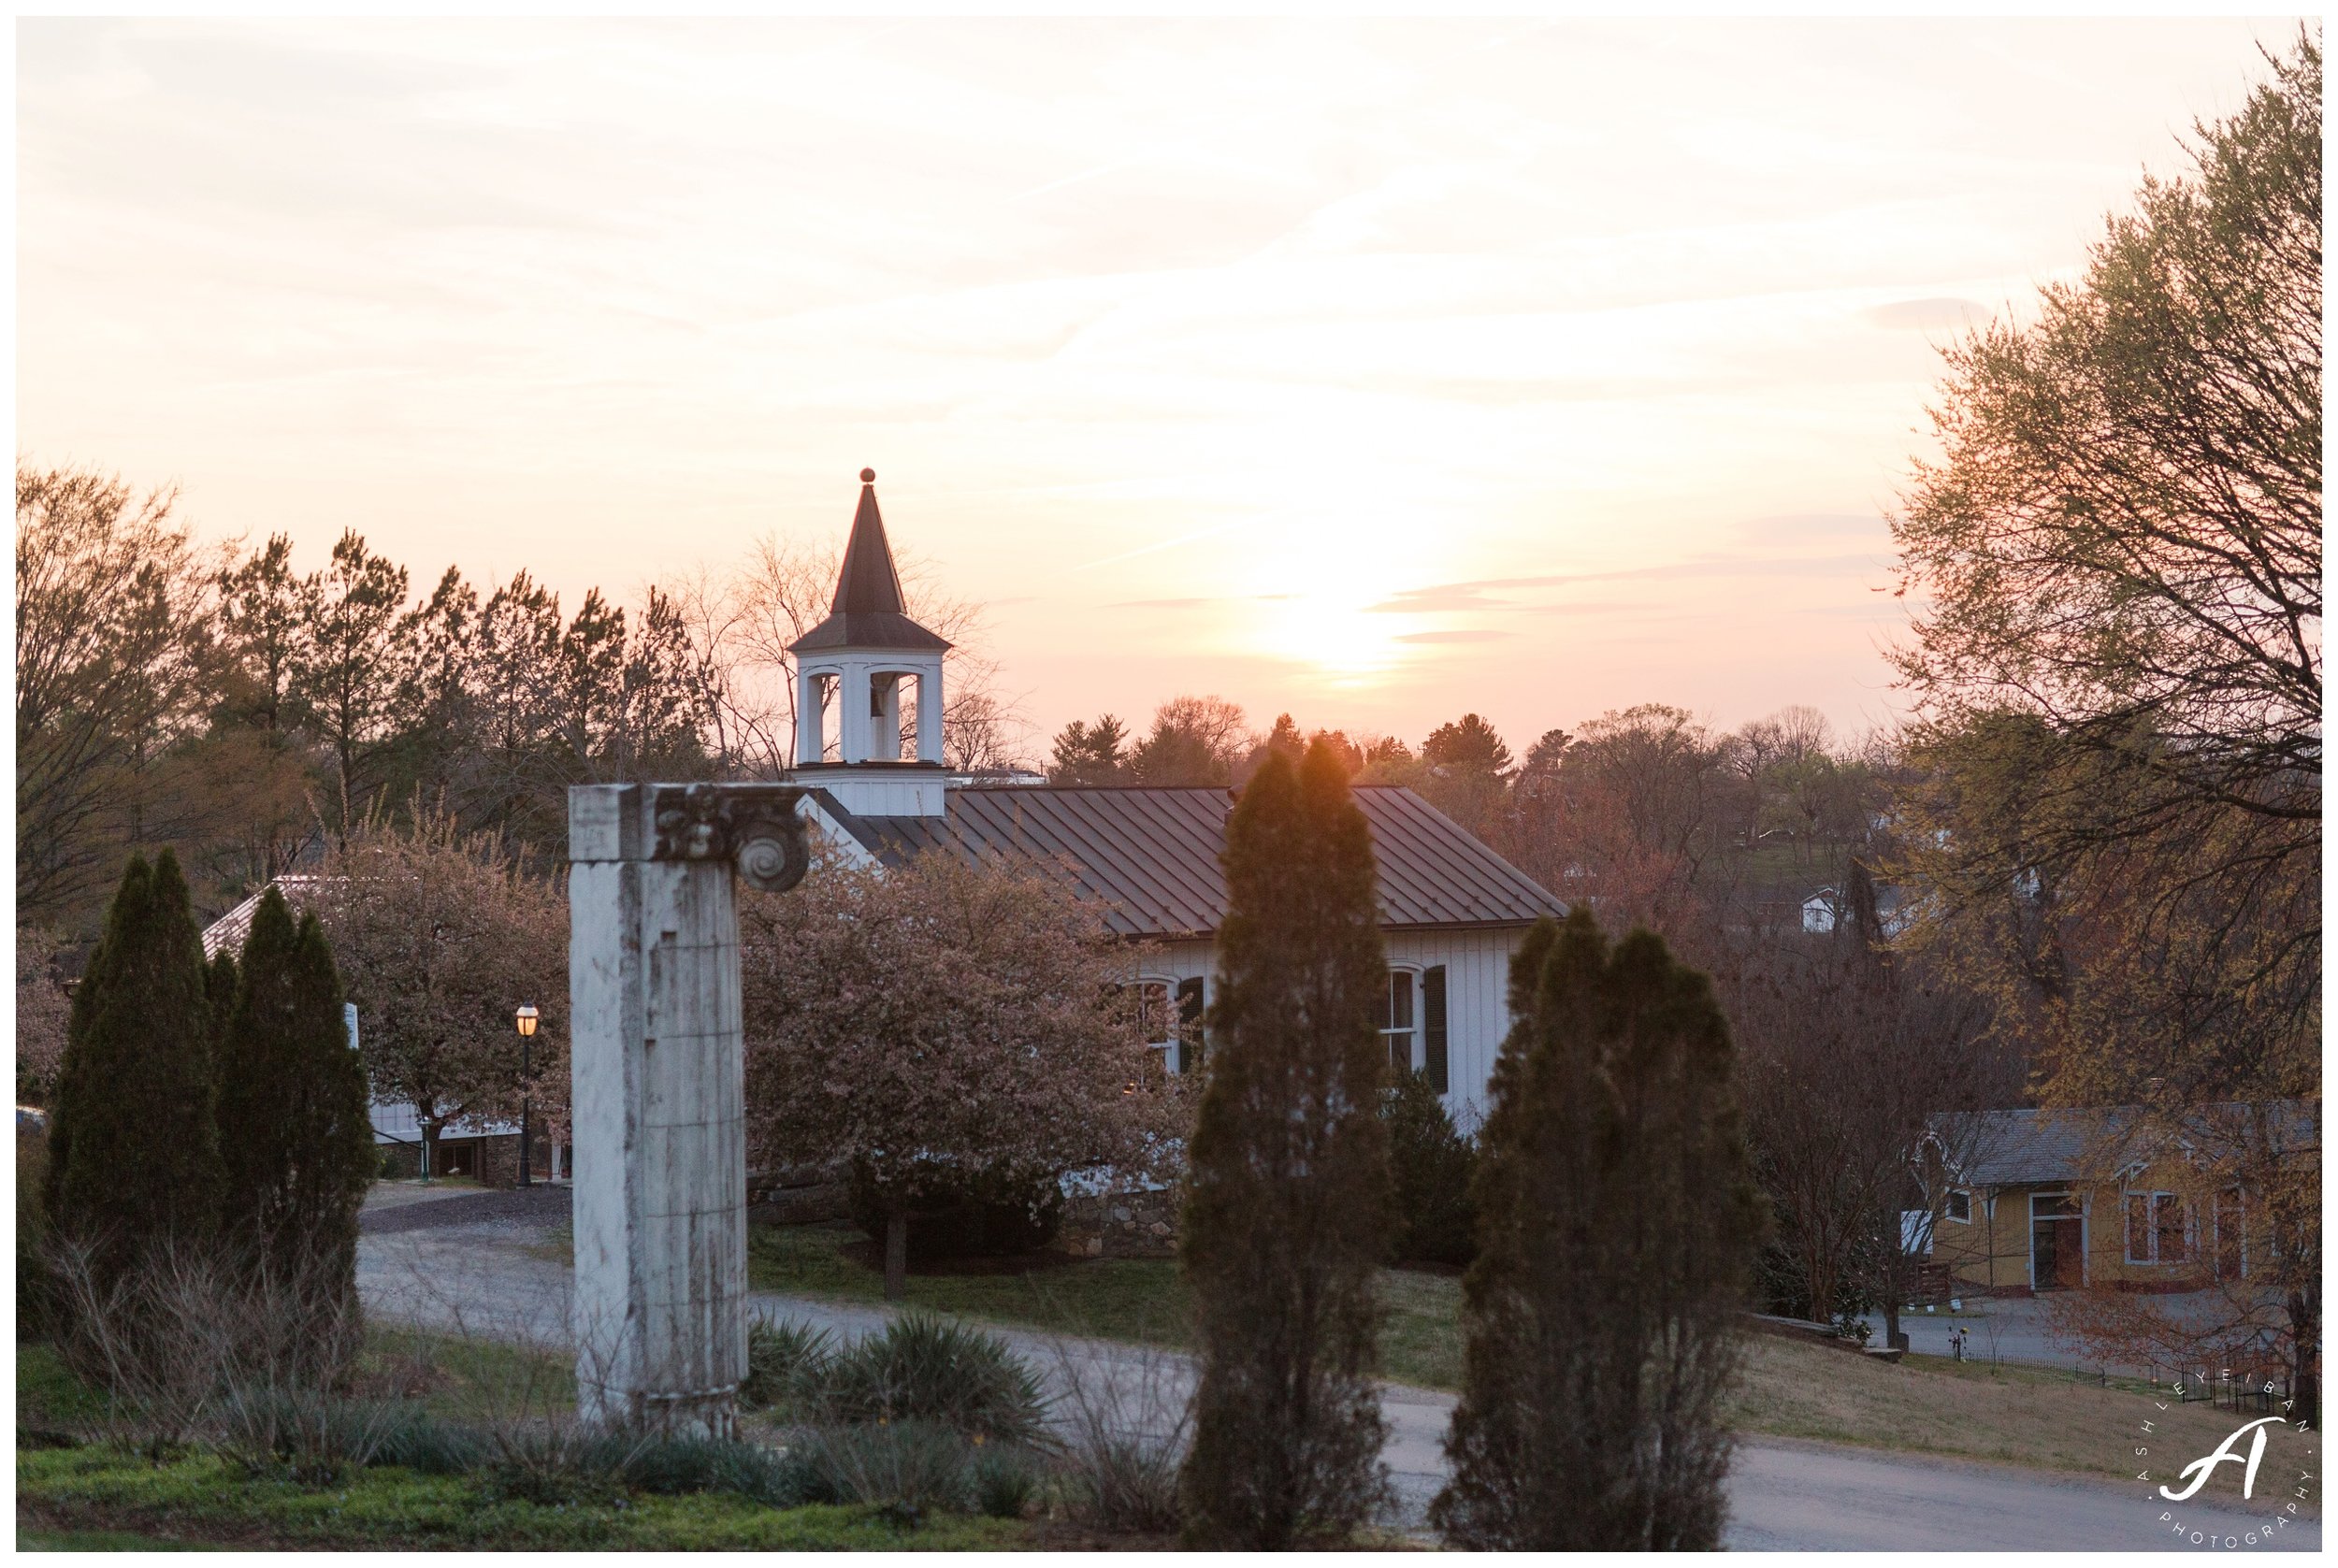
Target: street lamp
[(526, 1019)]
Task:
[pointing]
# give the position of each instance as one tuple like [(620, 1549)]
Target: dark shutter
[(1189, 1026), (1433, 1026)]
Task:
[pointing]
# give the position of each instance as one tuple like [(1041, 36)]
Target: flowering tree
[(947, 1015), (439, 939), (41, 1008)]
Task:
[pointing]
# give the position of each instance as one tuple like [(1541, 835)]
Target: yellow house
[(2031, 1201)]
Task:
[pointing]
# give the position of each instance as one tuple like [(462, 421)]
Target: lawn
[(2036, 1419), (95, 1495)]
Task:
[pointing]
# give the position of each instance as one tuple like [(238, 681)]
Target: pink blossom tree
[(941, 1014), (441, 937)]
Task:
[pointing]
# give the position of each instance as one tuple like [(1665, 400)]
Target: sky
[(1372, 371)]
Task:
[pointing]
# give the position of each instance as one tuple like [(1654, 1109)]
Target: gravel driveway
[(464, 1262)]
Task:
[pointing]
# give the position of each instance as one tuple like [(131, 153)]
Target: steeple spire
[(868, 585), (868, 611)]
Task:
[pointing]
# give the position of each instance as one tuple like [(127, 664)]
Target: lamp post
[(526, 1019)]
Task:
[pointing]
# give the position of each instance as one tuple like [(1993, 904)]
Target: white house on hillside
[(1452, 910)]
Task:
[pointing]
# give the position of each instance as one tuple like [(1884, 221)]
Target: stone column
[(658, 1094)]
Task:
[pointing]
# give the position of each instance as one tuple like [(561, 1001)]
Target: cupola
[(852, 670)]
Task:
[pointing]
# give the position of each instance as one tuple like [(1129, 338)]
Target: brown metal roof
[(867, 611), (1153, 854)]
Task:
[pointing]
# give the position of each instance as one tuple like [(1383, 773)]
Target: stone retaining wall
[(1120, 1225)]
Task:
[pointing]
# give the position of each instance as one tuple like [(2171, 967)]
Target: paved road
[(474, 1272)]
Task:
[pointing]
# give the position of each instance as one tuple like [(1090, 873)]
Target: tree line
[(221, 704)]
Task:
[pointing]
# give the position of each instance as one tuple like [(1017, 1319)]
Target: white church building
[(1452, 910)]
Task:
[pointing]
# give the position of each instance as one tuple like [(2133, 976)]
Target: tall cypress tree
[(133, 1148), (1286, 1211), (219, 979), (1617, 1222), (295, 1143)]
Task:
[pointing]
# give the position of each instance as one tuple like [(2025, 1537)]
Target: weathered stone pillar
[(658, 1094)]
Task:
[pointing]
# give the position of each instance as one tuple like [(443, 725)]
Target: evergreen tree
[(219, 980), (295, 1143), (1430, 1166), (1617, 1224), (134, 1149), (1287, 1212)]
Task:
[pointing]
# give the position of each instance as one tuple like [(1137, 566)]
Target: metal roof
[(230, 929), (1153, 854), (868, 611)]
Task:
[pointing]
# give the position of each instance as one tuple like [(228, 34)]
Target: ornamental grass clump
[(785, 1364), (923, 1368)]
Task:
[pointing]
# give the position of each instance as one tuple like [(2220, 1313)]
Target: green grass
[(1136, 1301), (95, 1489), (105, 1541), (49, 1395)]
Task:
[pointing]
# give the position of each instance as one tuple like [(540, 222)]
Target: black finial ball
[(868, 475)]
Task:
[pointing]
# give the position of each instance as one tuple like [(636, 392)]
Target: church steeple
[(853, 668), (868, 611)]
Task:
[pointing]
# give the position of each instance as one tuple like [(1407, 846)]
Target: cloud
[(1925, 315), (1476, 635)]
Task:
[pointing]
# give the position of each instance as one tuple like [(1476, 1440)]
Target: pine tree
[(1617, 1224), (1286, 1211), (296, 1142), (133, 1148)]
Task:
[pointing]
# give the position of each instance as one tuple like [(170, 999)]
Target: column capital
[(754, 825)]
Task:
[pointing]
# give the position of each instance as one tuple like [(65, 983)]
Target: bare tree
[(113, 613)]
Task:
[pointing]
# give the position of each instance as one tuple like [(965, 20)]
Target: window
[(1153, 1018), (1190, 1043), (1434, 1057), (2158, 1229), (1961, 1205), (1396, 1030), (1169, 1013)]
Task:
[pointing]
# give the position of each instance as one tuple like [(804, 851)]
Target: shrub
[(1430, 1167), (133, 1143), (922, 1368), (786, 1363), (673, 1466), (422, 1443), (35, 1289), (1126, 1426), (296, 1147), (998, 1213), (1006, 1479), (918, 1465), (314, 1436)]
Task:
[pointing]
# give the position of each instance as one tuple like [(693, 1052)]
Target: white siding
[(1477, 996), (1477, 1004)]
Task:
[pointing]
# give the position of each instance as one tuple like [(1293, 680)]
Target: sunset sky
[(1374, 372)]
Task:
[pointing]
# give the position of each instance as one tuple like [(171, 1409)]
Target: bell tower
[(852, 672)]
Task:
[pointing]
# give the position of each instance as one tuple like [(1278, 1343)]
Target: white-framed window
[(1400, 1020), (1959, 1205), (2158, 1229), (1170, 1014)]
